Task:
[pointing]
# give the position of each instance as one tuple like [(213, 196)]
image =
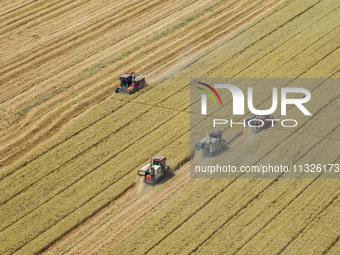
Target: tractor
[(130, 83), (155, 170), (212, 143), (260, 122)]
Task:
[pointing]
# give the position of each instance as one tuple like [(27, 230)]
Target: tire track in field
[(13, 8), (42, 12), (281, 211), (333, 246), (239, 213), (312, 220)]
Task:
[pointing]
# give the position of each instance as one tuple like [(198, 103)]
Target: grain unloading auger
[(212, 143), (130, 83), (155, 170)]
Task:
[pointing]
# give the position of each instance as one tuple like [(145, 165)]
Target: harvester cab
[(125, 80), (130, 83), (155, 170)]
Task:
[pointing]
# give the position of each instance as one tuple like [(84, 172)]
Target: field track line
[(329, 250), (311, 221), (8, 10)]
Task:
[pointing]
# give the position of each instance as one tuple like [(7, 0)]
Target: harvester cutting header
[(130, 83)]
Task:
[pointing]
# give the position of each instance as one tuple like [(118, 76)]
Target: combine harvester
[(130, 83), (155, 170), (260, 122), (212, 143)]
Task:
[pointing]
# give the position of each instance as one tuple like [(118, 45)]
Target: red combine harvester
[(260, 122), (155, 170), (130, 83)]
